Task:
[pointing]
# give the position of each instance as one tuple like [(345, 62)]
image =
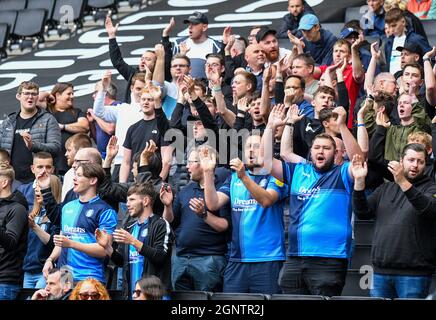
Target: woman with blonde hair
[(90, 289), (71, 120)]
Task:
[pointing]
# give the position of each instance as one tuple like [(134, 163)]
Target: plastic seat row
[(204, 295), (26, 22)]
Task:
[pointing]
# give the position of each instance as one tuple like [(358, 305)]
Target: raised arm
[(362, 133), (228, 115), (265, 98), (287, 141), (214, 200), (109, 114), (363, 208), (370, 73), (125, 165), (114, 50), (168, 48), (429, 77), (272, 165), (350, 143), (159, 68), (356, 63)]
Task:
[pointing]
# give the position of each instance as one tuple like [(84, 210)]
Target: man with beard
[(403, 249), (257, 249), (58, 287), (145, 241), (320, 216), (268, 41)]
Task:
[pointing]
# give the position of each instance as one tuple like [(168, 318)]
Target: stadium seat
[(353, 13), (101, 4), (429, 27), (4, 35), (99, 9), (296, 297), (190, 295), (30, 24), (12, 5), (356, 298), (10, 18), (238, 296), (25, 294), (363, 232), (334, 28), (78, 7), (47, 5)]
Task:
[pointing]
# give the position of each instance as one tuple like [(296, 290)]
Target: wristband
[(216, 89), (361, 125), (425, 59), (290, 124)]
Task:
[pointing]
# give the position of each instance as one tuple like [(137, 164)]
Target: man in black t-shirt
[(145, 130), (28, 131)]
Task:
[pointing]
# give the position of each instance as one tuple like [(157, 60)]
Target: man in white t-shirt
[(198, 42), (123, 115)]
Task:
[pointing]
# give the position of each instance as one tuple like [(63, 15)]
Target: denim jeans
[(200, 273), (313, 276), (398, 286), (9, 291), (34, 280)]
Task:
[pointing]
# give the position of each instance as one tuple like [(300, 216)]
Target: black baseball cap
[(196, 18), (263, 32), (412, 47)]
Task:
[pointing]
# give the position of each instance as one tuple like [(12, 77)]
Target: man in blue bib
[(320, 210), (76, 246), (257, 249)]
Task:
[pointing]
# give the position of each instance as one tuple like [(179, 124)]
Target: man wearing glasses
[(28, 131)]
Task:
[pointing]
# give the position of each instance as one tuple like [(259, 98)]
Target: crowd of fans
[(232, 166)]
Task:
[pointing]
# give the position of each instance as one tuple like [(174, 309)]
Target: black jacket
[(13, 237), (291, 23), (156, 252), (123, 68), (404, 240)]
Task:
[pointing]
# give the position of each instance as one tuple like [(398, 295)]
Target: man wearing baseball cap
[(267, 38), (351, 33), (317, 41), (198, 42), (410, 53)]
